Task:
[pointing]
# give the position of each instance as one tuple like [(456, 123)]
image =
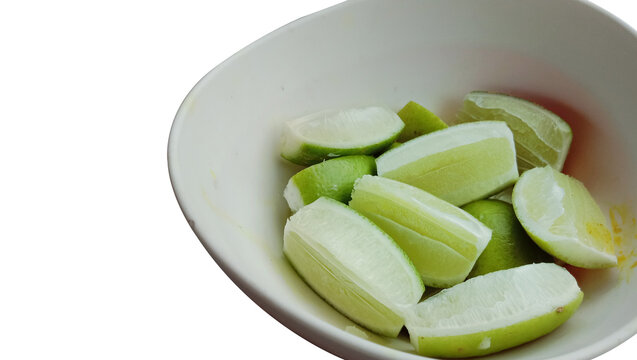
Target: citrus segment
[(352, 264), (442, 240), (561, 216), (493, 312), (459, 164), (541, 137), (332, 133)]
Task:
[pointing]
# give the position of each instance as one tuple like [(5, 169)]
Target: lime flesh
[(504, 195), (352, 264), (332, 133), (440, 162), (442, 240), (562, 217), (541, 137), (493, 312)]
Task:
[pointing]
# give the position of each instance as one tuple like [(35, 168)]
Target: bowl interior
[(568, 56)]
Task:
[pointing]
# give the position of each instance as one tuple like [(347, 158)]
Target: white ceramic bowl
[(568, 55)]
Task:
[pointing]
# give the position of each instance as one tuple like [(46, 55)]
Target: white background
[(96, 259)]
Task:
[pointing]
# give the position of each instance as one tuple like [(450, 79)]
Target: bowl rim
[(336, 341)]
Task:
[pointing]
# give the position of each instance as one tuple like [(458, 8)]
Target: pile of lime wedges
[(391, 203)]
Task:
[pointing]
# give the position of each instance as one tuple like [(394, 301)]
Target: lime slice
[(352, 264), (442, 240), (332, 178), (562, 217), (510, 246), (459, 164), (494, 312), (541, 137), (328, 134), (418, 121)]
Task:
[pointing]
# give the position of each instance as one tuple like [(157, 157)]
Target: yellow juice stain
[(624, 238), (613, 219), (600, 232), (621, 259)]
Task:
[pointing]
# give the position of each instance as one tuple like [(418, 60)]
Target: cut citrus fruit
[(352, 264), (459, 164), (510, 246), (493, 312), (562, 217), (442, 240), (418, 121), (332, 178), (541, 137), (328, 134)]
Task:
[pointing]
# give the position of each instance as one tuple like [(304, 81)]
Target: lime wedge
[(352, 264), (332, 178), (541, 137), (459, 164), (418, 121), (442, 240), (328, 134), (510, 246), (493, 312), (562, 217)]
